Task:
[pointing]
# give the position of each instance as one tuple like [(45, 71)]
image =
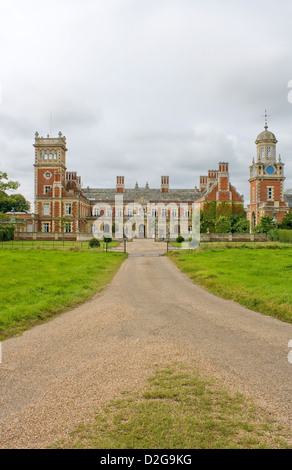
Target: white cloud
[(144, 88)]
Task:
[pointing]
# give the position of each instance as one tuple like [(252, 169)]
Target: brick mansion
[(63, 206)]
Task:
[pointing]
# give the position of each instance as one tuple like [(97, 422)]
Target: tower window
[(47, 189), (55, 155), (40, 155), (269, 151), (46, 209), (68, 209), (48, 175), (270, 194)]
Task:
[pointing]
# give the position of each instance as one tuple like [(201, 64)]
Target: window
[(48, 175), (45, 156), (68, 209), (68, 227), (46, 227), (108, 213), (95, 212), (129, 212), (46, 208), (270, 193), (40, 155), (154, 212), (50, 156), (268, 152), (119, 212), (47, 189), (163, 213), (55, 155), (262, 152), (174, 213)]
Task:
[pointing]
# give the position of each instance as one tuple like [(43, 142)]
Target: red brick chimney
[(164, 184), (120, 186)]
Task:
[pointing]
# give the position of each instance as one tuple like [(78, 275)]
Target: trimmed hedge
[(284, 236), (6, 232)]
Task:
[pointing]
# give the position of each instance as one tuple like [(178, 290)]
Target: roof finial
[(266, 119)]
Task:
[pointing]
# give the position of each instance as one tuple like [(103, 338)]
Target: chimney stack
[(120, 186), (164, 184)]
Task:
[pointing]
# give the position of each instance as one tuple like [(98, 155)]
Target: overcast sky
[(144, 88)]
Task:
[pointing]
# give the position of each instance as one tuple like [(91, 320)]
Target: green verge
[(180, 409), (35, 285), (258, 277)]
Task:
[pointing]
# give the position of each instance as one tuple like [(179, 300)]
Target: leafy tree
[(239, 224), (242, 226), (286, 222), (5, 183), (14, 201), (267, 223), (223, 225)]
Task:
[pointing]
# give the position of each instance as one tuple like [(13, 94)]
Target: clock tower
[(266, 180)]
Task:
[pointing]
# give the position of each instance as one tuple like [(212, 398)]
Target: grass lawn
[(36, 284), (53, 245), (257, 276), (180, 410)]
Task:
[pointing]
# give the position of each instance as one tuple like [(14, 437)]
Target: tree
[(223, 225), (14, 201), (267, 223), (5, 183), (287, 222), (239, 224), (242, 226)]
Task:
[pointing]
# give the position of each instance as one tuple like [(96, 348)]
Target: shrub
[(6, 232), (267, 223), (284, 236), (223, 225), (94, 243), (180, 239)]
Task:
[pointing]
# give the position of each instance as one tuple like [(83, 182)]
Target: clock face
[(270, 170)]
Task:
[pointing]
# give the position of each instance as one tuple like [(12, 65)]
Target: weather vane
[(266, 119)]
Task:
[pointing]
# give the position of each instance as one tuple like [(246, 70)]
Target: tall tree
[(14, 201)]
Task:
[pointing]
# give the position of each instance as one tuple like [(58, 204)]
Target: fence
[(63, 245)]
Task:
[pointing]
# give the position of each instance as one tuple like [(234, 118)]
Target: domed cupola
[(266, 143)]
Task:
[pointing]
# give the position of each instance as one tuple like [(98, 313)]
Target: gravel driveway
[(58, 374)]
